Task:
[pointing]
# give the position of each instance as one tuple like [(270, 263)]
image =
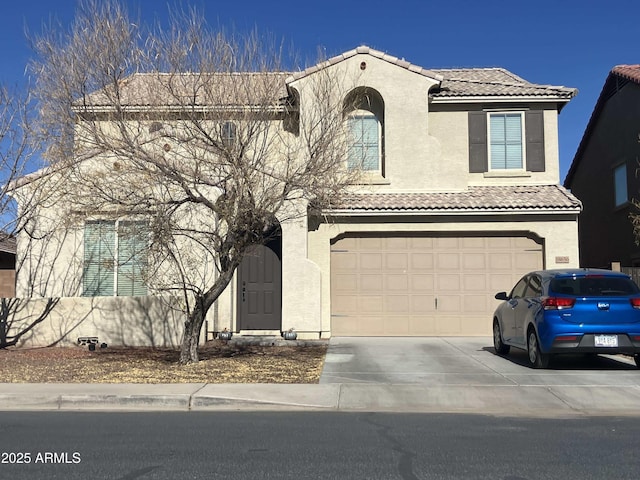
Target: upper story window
[(620, 184), (229, 133), (505, 145), (114, 258), (506, 141), (364, 141), (364, 114)]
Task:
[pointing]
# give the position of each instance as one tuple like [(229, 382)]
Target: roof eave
[(456, 212), (181, 108), (501, 99)]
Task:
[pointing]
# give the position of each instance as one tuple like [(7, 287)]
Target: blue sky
[(574, 43)]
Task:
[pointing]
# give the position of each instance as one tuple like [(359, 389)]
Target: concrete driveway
[(463, 361)]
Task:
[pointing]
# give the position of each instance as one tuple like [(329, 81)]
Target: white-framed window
[(506, 145), (115, 256), (364, 141), (620, 185)]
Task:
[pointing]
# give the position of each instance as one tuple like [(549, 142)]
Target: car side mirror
[(502, 296)]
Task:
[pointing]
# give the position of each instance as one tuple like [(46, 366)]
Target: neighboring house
[(603, 174), (462, 198), (7, 266)]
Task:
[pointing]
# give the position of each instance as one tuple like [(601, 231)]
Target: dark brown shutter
[(534, 127), (478, 142)]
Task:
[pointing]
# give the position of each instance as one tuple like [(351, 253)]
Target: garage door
[(423, 285)]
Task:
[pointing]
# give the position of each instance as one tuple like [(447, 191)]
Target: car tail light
[(567, 338), (635, 302), (558, 303)]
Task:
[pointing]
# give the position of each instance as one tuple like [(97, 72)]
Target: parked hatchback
[(552, 312)]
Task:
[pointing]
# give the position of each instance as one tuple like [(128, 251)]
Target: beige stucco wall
[(449, 124), (151, 321), (559, 236)]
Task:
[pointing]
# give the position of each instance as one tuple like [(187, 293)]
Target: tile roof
[(227, 89), (457, 82), (364, 50), (630, 72), (242, 88), (474, 199), (7, 243), (494, 82)]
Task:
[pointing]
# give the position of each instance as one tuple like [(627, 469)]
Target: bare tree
[(18, 156), (193, 132)]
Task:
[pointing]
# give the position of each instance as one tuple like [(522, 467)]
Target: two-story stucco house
[(461, 197)]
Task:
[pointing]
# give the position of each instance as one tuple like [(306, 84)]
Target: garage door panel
[(475, 303), (346, 282), (474, 261), (370, 243), (449, 304), (396, 282), (448, 261), (422, 261), (343, 261), (424, 325), (371, 283), (397, 261), (448, 283), (370, 261), (422, 285), (500, 261), (370, 303), (345, 304), (398, 243), (397, 304), (527, 262), (448, 325), (474, 282), (421, 304)]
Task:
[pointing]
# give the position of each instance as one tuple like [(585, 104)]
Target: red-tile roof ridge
[(630, 72)]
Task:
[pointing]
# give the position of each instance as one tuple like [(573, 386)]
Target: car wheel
[(498, 344), (537, 359), (637, 360)]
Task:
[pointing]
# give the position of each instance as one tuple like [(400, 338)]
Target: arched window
[(364, 114)]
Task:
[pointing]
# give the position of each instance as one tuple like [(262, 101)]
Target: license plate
[(606, 340)]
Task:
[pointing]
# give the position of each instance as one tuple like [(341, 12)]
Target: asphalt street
[(313, 445)]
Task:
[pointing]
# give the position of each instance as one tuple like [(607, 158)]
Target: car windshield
[(594, 286)]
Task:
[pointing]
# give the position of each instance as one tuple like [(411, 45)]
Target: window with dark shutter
[(534, 128), (478, 142)]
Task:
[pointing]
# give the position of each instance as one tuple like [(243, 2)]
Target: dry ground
[(219, 363)]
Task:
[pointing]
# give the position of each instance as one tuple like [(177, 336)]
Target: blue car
[(552, 312)]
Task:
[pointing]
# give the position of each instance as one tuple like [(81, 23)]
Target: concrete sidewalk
[(542, 401), (431, 375)]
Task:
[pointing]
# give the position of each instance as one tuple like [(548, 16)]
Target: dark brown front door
[(260, 288)]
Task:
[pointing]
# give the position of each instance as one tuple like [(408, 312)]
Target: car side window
[(535, 286), (519, 289)]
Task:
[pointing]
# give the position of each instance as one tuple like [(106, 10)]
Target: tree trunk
[(195, 318), (191, 337)]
